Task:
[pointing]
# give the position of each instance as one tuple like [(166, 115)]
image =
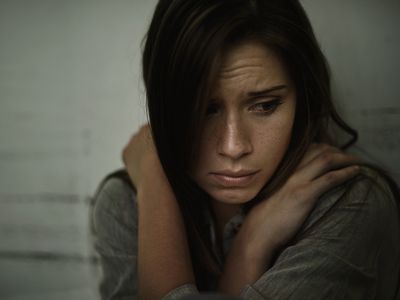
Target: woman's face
[(248, 124)]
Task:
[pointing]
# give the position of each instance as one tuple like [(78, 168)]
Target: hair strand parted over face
[(182, 55)]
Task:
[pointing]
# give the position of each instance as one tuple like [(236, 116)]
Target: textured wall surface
[(70, 97), (362, 43)]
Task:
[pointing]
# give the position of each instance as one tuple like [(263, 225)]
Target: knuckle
[(292, 182), (327, 158), (124, 150), (351, 171), (331, 177), (347, 172), (145, 128), (353, 158), (124, 155), (325, 148), (300, 192), (313, 147)]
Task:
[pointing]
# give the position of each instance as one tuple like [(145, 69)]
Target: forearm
[(245, 263), (164, 259)]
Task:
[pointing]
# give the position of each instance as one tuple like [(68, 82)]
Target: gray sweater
[(348, 248)]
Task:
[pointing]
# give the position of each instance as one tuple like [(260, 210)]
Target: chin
[(233, 196)]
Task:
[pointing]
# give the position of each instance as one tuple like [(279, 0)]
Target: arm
[(273, 222), (349, 248), (164, 259)]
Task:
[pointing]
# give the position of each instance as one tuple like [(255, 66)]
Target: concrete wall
[(70, 97), (362, 43)]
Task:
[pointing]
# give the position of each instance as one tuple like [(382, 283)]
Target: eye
[(266, 107), (212, 109)]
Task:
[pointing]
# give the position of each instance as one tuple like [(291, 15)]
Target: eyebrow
[(266, 91)]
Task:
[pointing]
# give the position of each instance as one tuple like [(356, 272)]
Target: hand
[(140, 156), (274, 221)]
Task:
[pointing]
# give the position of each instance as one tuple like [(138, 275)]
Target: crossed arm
[(164, 258), (346, 242)]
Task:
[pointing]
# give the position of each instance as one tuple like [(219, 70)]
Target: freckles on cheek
[(274, 138)]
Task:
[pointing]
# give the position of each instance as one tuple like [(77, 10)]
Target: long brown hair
[(182, 52)]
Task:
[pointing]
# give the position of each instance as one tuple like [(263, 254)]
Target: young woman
[(240, 186)]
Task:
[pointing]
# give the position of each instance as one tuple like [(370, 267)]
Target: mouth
[(228, 178)]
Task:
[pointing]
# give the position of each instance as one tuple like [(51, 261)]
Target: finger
[(124, 155), (325, 162), (332, 179), (145, 128), (132, 140), (314, 150)]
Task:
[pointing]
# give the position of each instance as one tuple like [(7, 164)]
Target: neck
[(223, 213)]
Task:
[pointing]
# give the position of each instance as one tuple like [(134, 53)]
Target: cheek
[(272, 141), (276, 136), (282, 129)]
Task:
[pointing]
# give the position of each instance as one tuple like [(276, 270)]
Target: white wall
[(362, 43), (70, 97)]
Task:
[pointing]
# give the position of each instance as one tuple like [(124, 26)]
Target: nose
[(234, 142)]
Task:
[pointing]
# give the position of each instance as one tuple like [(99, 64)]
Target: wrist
[(252, 250), (253, 247), (153, 189), (244, 265), (150, 172)]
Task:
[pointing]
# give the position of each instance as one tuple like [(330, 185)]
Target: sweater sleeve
[(115, 222), (115, 226), (348, 248)]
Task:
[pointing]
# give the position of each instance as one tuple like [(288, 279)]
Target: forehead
[(250, 63)]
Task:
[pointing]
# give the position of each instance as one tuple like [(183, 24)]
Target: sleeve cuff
[(249, 292), (181, 292)]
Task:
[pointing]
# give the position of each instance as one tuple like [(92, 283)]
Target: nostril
[(233, 141), (235, 149)]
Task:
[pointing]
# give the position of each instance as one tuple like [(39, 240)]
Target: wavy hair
[(183, 50)]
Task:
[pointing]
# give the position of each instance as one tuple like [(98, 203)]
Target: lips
[(229, 178), (239, 173)]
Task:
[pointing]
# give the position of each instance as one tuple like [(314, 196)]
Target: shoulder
[(348, 248), (115, 199), (114, 225), (370, 195), (356, 224)]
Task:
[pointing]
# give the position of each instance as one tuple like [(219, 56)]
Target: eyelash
[(268, 107), (271, 105)]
